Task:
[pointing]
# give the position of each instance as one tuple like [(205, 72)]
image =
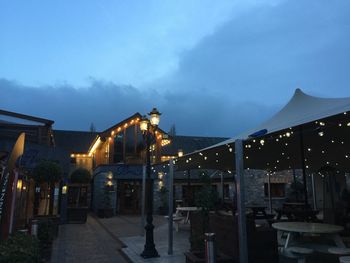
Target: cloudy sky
[(214, 68)]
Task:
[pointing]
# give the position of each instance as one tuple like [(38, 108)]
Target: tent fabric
[(299, 115), (301, 109)]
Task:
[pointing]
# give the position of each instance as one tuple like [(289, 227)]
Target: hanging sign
[(6, 186)]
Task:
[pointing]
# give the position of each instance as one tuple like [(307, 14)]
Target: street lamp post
[(148, 128)]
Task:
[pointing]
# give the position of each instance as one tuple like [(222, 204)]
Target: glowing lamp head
[(64, 189), (180, 153), (144, 124), (154, 117), (19, 184)]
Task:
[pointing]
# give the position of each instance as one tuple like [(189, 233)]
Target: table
[(292, 228), (187, 209), (297, 214)]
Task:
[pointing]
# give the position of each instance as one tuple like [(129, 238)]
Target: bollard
[(210, 251), (34, 228)]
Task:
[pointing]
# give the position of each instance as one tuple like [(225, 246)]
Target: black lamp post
[(148, 128)]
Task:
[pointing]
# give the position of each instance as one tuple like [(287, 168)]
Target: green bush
[(80, 176), (20, 247)]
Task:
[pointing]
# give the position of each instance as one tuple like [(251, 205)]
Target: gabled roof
[(188, 144), (74, 141), (25, 117), (107, 132)]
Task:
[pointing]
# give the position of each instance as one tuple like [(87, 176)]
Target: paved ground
[(116, 239), (121, 226), (86, 243)]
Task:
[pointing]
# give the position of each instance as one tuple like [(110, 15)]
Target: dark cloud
[(269, 51), (104, 104), (229, 82)]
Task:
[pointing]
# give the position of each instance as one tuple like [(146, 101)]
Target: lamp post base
[(150, 253), (150, 249)]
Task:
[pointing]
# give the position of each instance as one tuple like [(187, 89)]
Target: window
[(278, 190)]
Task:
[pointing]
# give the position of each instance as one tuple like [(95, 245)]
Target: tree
[(48, 172), (92, 127), (172, 131), (80, 176)]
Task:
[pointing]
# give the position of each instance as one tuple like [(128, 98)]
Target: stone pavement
[(128, 230), (86, 243), (116, 239)]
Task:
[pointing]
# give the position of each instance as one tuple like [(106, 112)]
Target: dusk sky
[(213, 68)]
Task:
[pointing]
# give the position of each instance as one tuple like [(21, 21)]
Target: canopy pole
[(189, 192), (171, 207), (269, 189), (242, 230), (222, 187), (313, 191), (302, 155)]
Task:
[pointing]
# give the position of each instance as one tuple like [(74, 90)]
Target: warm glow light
[(72, 155), (288, 134), (262, 142), (348, 124), (94, 147), (119, 129), (112, 133), (322, 123), (154, 117), (144, 124), (321, 133), (64, 189), (125, 125), (109, 183), (110, 175), (19, 184), (180, 153)]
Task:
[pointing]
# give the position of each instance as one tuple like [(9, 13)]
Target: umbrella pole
[(302, 155), (269, 189), (242, 230), (171, 208)]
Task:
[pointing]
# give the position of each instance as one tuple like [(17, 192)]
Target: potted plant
[(78, 192), (48, 172), (107, 209), (206, 199), (163, 194)]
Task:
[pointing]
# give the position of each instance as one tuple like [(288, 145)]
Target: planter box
[(77, 214), (105, 213)]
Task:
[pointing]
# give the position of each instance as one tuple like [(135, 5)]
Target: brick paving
[(86, 243)]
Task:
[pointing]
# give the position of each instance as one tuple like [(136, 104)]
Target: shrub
[(20, 247)]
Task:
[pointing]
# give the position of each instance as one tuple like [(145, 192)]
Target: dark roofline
[(26, 117), (199, 137)]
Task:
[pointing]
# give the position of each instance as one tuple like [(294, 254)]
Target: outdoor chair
[(177, 219), (344, 259), (299, 253), (340, 252)]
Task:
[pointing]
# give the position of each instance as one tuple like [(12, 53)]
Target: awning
[(316, 128)]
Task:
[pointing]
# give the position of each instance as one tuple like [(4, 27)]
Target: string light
[(262, 142)]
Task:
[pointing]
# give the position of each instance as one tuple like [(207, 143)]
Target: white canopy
[(305, 115)]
